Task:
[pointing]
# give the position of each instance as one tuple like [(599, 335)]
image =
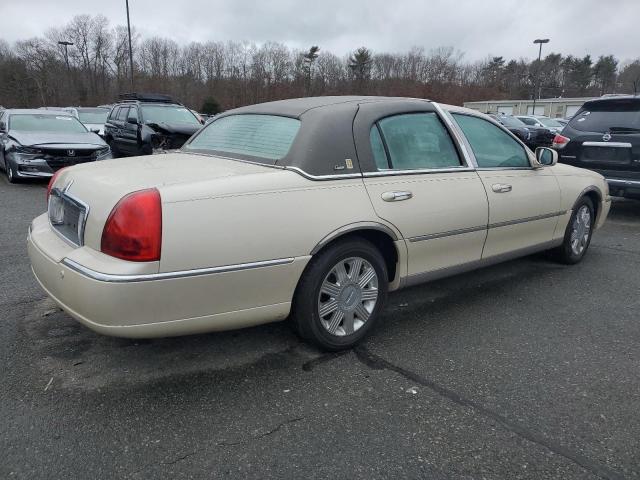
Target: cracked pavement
[(528, 369)]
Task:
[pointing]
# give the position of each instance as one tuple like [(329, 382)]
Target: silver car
[(37, 143), (93, 118)]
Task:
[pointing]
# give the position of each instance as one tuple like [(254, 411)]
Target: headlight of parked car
[(27, 150)]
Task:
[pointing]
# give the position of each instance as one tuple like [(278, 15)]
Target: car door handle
[(501, 187), (396, 196)]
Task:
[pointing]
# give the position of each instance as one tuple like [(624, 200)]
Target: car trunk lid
[(100, 185)]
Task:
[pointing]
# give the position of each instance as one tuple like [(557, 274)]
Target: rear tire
[(577, 236), (340, 295)]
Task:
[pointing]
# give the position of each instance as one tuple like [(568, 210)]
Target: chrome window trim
[(458, 136), (607, 144), (337, 176), (64, 193), (146, 277), (422, 171)]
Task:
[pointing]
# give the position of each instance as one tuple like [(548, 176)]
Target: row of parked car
[(35, 143), (604, 135)]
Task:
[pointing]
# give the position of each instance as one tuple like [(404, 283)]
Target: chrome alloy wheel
[(348, 295), (580, 230)]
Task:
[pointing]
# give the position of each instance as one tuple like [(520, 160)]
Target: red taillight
[(134, 228), (560, 141), (52, 180)]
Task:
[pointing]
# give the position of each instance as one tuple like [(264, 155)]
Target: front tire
[(577, 237), (10, 173), (340, 295)]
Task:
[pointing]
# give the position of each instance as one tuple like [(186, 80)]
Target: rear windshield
[(93, 115), (263, 137), (45, 123), (168, 114), (607, 117)]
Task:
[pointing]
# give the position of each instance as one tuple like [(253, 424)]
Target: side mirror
[(3, 127), (546, 157), (132, 120), (95, 130)]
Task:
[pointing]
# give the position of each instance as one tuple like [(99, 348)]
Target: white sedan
[(308, 209)]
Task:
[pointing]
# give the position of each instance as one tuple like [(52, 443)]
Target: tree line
[(221, 75)]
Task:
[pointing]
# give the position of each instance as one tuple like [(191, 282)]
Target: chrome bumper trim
[(114, 278), (607, 144), (620, 182)]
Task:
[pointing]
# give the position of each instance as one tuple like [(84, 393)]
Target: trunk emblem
[(606, 137), (71, 153)]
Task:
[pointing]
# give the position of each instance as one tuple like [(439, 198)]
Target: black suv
[(605, 136), (142, 124), (532, 136)]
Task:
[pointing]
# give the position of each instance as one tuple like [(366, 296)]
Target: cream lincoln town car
[(311, 209)]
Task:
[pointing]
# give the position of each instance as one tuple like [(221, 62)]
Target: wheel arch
[(594, 194), (380, 235)]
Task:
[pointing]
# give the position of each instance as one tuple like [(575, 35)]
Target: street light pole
[(130, 49), (535, 89), (66, 51)]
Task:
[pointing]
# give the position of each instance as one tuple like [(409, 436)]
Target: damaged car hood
[(172, 128)]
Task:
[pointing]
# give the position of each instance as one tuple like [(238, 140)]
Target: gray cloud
[(476, 27)]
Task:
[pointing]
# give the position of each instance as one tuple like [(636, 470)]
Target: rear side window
[(416, 141), (492, 146), (265, 137), (377, 147), (603, 117)]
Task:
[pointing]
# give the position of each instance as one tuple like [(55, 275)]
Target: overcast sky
[(476, 27)]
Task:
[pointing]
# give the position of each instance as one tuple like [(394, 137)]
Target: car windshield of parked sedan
[(549, 122), (512, 122), (168, 114), (93, 115), (45, 123), (261, 137)]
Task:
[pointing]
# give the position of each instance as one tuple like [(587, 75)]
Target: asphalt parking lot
[(528, 369)]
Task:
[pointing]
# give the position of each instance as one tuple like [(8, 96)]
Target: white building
[(551, 107)]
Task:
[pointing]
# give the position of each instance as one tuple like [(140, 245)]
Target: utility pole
[(130, 49), (536, 93), (66, 51)]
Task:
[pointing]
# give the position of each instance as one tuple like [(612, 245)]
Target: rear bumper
[(623, 187), (146, 306)]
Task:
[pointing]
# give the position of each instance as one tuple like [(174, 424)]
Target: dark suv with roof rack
[(142, 124), (605, 136)]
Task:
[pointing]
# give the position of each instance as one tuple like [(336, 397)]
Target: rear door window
[(415, 141)]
